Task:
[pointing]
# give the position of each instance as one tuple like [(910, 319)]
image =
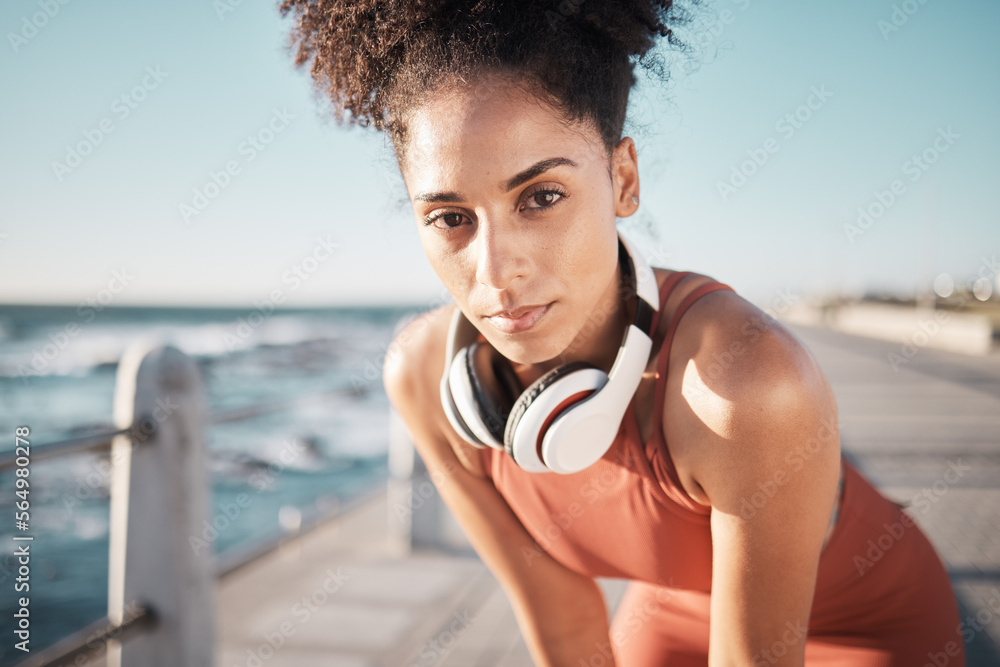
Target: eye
[(451, 220), (545, 197)]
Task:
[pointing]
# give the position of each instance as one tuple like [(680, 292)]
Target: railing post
[(418, 518), (402, 459), (414, 505), (160, 491), (416, 510)]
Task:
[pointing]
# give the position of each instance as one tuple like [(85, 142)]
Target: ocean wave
[(73, 351)]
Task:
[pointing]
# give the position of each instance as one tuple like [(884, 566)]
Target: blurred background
[(165, 170)]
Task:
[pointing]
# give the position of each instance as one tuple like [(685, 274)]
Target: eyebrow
[(520, 178)]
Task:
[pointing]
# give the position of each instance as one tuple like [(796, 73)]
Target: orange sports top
[(628, 517)]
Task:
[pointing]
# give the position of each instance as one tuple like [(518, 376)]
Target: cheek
[(449, 266), (589, 251)]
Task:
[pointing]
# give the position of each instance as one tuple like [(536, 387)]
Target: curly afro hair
[(376, 59)]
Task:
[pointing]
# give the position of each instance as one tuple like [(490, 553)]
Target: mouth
[(526, 318)]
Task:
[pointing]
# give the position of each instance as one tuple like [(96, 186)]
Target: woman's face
[(515, 209)]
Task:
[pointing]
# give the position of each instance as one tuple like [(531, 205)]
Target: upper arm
[(542, 590), (770, 467)]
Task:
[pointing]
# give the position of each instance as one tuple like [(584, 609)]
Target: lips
[(519, 319), (515, 313)]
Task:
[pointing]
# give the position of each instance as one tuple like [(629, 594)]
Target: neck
[(600, 338)]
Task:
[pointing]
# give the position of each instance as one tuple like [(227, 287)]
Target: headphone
[(568, 418)]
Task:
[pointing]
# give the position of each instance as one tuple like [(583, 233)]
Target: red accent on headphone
[(559, 409)]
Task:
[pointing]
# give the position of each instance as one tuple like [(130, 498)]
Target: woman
[(506, 120)]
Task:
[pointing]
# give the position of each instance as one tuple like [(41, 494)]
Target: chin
[(536, 351)]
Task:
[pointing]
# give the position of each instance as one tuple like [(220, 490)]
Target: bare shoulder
[(732, 365), (739, 348), (412, 375)]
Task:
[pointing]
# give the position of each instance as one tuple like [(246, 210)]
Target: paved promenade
[(927, 432), (347, 595)]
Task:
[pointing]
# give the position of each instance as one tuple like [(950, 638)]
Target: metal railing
[(161, 599), (89, 641), (95, 442)]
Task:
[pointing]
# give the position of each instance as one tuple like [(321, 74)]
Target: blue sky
[(319, 212)]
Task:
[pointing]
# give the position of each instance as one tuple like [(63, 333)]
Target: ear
[(625, 177)]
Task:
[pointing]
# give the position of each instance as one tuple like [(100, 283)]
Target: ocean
[(57, 377)]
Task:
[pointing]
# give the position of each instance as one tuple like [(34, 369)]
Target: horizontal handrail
[(239, 414), (81, 443), (102, 440), (90, 641)]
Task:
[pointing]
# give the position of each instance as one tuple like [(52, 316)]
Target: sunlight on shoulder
[(713, 410)]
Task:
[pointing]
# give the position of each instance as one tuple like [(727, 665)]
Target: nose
[(500, 257)]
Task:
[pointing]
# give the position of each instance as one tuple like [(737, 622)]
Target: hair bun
[(374, 60)]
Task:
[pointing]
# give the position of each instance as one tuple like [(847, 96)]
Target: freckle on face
[(471, 141)]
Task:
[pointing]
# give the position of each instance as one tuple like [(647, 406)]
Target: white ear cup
[(465, 397), (453, 414), (461, 333), (580, 436), (524, 438)]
